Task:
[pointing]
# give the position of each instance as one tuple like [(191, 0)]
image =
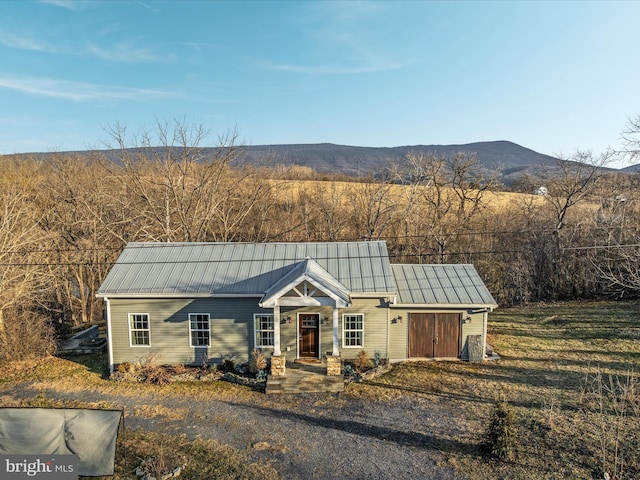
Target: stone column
[(278, 366), (333, 365)]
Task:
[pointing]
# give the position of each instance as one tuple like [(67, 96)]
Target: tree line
[(64, 221)]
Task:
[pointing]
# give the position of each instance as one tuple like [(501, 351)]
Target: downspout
[(485, 317), (109, 335), (388, 328)]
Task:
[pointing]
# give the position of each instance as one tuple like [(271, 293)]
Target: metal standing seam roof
[(174, 269), (421, 284)]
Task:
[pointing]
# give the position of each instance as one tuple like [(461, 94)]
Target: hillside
[(506, 157), (509, 159)]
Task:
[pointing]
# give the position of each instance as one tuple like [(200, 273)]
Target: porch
[(305, 377)]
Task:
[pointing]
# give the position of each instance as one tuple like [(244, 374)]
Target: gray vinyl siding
[(231, 327), (474, 327), (233, 334), (398, 334), (375, 328)]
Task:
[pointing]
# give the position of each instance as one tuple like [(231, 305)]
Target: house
[(185, 303)]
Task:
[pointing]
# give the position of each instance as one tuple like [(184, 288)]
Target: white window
[(264, 330), (353, 330), (139, 331), (199, 331)]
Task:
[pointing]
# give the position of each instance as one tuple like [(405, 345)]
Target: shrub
[(125, 367), (228, 363), (257, 361), (25, 335), (501, 438), (362, 361), (155, 374), (204, 362), (377, 359), (348, 370)]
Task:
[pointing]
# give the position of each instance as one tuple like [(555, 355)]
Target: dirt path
[(317, 436)]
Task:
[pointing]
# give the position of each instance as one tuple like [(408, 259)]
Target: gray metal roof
[(441, 285), (175, 269)]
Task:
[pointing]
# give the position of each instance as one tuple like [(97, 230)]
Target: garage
[(434, 335)]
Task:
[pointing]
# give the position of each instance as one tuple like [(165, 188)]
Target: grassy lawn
[(79, 376), (551, 356), (569, 420)]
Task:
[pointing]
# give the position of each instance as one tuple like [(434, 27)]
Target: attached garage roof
[(209, 269), (441, 285)]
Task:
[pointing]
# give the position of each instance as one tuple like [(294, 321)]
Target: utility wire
[(392, 255)]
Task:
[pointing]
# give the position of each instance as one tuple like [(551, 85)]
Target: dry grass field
[(571, 373), (569, 370), (292, 189)]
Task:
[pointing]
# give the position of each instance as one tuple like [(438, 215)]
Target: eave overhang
[(444, 306), (178, 295)]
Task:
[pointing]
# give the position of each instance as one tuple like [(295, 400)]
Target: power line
[(392, 255)]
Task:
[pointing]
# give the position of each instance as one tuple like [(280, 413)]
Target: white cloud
[(23, 43), (123, 53), (342, 39), (68, 4), (334, 69), (75, 91)]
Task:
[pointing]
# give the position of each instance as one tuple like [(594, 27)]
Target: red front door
[(308, 325)]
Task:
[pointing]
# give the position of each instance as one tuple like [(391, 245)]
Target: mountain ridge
[(510, 160), (507, 158)]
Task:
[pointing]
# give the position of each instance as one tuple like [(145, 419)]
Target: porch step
[(304, 382)]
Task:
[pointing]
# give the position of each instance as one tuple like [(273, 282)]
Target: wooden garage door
[(434, 335)]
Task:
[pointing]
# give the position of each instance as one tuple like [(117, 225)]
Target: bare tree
[(85, 234), (175, 188), (615, 235), (241, 211), (372, 208), (571, 187), (23, 280), (443, 198), (572, 181), (631, 138), (331, 210)]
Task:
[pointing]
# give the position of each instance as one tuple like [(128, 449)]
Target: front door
[(434, 335), (308, 325)]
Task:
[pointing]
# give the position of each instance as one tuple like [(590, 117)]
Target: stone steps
[(298, 381)]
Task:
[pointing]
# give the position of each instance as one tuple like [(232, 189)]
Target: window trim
[(131, 330), (191, 330), (256, 330), (344, 330)]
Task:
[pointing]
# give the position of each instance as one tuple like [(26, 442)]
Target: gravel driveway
[(317, 436)]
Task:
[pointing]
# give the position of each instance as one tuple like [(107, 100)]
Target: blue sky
[(552, 76)]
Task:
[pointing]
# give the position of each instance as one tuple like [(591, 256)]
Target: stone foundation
[(333, 365), (278, 366)]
